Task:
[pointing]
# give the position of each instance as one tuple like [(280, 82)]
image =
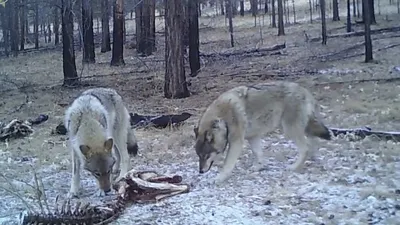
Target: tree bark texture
[(36, 25), (241, 8), (67, 26), (22, 24), (14, 27), (5, 27), (367, 23), (117, 58), (194, 53), (145, 35), (87, 32), (105, 26), (273, 15), (335, 9), (323, 21), (281, 28), (229, 13), (348, 25), (175, 85), (56, 26)]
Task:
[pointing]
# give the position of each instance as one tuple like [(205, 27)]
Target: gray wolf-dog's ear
[(196, 131), (85, 149), (108, 144)]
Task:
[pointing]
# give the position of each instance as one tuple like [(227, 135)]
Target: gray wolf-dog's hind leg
[(258, 159), (75, 180), (121, 147), (296, 133), (234, 151)]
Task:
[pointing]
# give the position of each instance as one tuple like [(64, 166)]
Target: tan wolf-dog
[(251, 112), (100, 137)]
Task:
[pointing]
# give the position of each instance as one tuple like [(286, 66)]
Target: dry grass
[(347, 179)]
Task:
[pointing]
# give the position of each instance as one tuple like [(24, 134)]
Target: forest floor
[(350, 183)]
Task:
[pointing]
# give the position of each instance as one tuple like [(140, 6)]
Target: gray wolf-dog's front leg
[(75, 181), (234, 151)]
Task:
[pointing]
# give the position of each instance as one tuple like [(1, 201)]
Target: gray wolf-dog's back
[(251, 112), (100, 137)]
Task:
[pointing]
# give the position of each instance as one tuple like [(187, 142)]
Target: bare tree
[(229, 12), (14, 26), (144, 34), (105, 26), (67, 26), (281, 28), (371, 11), (241, 8), (22, 24), (117, 58), (348, 25), (273, 14), (36, 25), (323, 21), (311, 9), (175, 85), (88, 36), (367, 23), (335, 6), (194, 54)]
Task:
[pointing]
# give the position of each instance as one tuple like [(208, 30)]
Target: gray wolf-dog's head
[(99, 162), (211, 141)]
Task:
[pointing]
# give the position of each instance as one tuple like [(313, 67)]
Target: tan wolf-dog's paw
[(220, 179), (99, 193), (296, 167)]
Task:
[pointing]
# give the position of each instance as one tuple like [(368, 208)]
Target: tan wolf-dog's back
[(251, 112), (100, 137)]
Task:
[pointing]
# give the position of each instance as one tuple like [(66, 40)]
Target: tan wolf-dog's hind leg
[(258, 159), (75, 181)]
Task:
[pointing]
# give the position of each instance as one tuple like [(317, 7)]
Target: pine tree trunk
[(194, 55), (105, 26), (117, 58), (335, 10), (67, 26), (87, 33), (14, 27), (273, 13), (36, 25), (281, 29), (145, 37), (241, 8), (22, 24), (175, 85), (229, 13), (348, 25), (5, 27), (56, 26), (323, 21), (367, 23)]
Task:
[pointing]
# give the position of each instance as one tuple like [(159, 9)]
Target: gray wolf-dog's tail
[(133, 147), (316, 128)]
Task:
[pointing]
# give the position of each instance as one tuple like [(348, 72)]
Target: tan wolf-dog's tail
[(133, 147), (316, 128)]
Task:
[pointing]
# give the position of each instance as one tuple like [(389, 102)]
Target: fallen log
[(362, 133), (229, 53), (356, 33)]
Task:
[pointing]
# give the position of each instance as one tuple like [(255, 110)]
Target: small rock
[(397, 207), (397, 191), (331, 216), (267, 202)]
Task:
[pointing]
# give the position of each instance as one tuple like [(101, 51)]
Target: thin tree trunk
[(14, 27), (229, 12), (367, 28), (194, 55), (310, 3), (56, 26), (69, 66), (5, 27), (348, 25), (175, 85), (281, 28), (88, 36), (266, 6), (22, 24), (273, 13), (335, 10), (105, 26), (117, 58), (241, 8), (36, 25), (323, 21), (354, 8), (144, 36)]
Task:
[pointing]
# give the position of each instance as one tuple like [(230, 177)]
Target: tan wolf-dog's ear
[(109, 144), (85, 149), (196, 131)]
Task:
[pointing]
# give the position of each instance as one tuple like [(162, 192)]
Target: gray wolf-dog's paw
[(73, 194)]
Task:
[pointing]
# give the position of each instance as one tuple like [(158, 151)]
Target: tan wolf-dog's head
[(211, 141), (99, 162)]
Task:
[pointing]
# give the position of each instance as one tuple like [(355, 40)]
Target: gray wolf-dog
[(251, 112), (100, 137)]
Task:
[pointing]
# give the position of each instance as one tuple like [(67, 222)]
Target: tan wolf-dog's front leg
[(234, 151), (255, 145), (75, 181)]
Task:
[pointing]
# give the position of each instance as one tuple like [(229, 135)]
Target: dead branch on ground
[(362, 133), (356, 33), (235, 52)]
